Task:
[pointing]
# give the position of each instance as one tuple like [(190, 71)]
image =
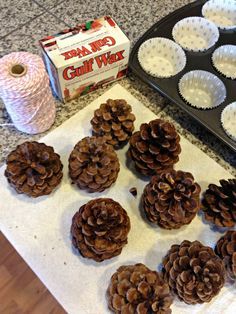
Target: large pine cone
[(100, 228), (114, 121), (33, 169), (219, 203), (93, 164), (135, 289), (171, 199), (194, 272), (226, 250), (155, 147)]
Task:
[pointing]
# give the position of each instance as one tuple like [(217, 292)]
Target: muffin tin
[(168, 87)]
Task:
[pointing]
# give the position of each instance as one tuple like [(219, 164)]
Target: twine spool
[(25, 90)]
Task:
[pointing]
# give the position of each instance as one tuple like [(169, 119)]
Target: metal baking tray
[(168, 87)]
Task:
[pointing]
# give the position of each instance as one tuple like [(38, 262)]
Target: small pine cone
[(194, 272), (155, 147), (100, 228), (219, 203), (93, 164), (171, 199), (33, 169), (114, 121), (226, 250), (135, 289)]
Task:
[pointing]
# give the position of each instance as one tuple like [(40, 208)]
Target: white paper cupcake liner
[(161, 57), (224, 60), (195, 33), (221, 12), (202, 89), (228, 120)]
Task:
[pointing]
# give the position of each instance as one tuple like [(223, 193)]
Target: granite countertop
[(24, 22)]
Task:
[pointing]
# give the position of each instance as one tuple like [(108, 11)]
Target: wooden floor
[(21, 292)]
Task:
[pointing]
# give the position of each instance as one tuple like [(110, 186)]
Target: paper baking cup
[(228, 120), (202, 89), (221, 12), (195, 33), (161, 57), (224, 60)]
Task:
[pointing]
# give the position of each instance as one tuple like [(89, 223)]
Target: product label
[(93, 47)]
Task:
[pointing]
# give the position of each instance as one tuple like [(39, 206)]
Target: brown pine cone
[(33, 169), (135, 289), (194, 272), (114, 121), (100, 228), (171, 199), (93, 164), (226, 250), (155, 147), (219, 203)]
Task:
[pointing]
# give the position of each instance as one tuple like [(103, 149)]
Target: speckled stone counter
[(31, 20)]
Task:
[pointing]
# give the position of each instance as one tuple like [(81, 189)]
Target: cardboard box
[(82, 59)]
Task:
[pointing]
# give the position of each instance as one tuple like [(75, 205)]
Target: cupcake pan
[(221, 12), (168, 87)]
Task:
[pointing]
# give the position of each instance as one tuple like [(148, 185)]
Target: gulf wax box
[(81, 59)]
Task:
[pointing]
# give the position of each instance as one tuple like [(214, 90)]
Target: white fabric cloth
[(39, 228)]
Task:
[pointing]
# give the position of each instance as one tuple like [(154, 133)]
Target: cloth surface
[(39, 228)]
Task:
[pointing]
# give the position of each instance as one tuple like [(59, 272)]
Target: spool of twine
[(25, 91)]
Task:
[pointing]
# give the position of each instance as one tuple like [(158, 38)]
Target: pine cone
[(171, 199), (155, 147), (100, 228), (33, 169), (219, 203), (137, 289), (194, 272), (226, 250), (93, 164), (115, 121)]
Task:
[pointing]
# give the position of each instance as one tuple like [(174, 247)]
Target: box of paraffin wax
[(82, 59)]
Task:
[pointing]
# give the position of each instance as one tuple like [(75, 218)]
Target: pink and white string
[(25, 91)]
